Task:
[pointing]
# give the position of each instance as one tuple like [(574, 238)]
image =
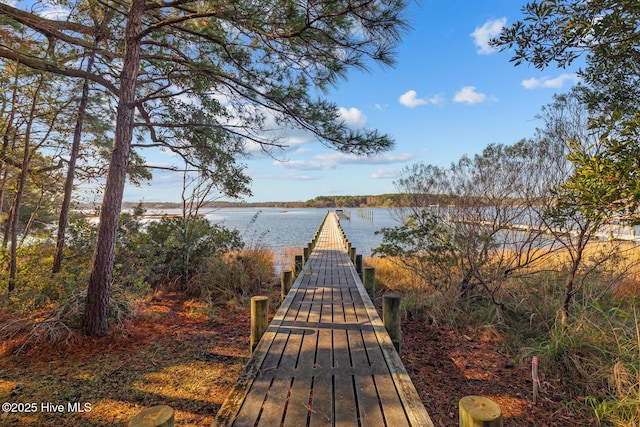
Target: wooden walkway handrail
[(326, 358)]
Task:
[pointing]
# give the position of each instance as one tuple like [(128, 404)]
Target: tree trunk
[(68, 184), (5, 145), (32, 218), (568, 294), (568, 286), (6, 139), (17, 200), (95, 322)]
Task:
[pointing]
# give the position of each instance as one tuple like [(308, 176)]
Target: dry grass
[(594, 359), (391, 274), (170, 354), (235, 275)]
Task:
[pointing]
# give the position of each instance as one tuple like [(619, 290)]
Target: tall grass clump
[(238, 274), (47, 309), (594, 356), (420, 300), (597, 357)]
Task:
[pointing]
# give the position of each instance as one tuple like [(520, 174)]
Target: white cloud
[(296, 177), (304, 165), (287, 138), (410, 99), (331, 161), (385, 173), (51, 10), (347, 159), (468, 95), (352, 117), (546, 82), (436, 100), (482, 35)]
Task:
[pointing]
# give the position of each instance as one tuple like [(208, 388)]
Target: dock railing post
[(478, 411), (156, 416), (298, 263), (359, 265), (391, 318), (369, 281), (259, 319), (352, 255), (285, 282)]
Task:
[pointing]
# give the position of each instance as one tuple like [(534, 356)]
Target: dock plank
[(325, 360)]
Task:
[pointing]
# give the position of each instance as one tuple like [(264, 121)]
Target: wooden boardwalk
[(326, 359)]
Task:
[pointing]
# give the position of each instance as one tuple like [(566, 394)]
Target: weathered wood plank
[(342, 358), (368, 401), (325, 360), (299, 407), (252, 403), (324, 349), (275, 403), (272, 359), (322, 401), (346, 408)]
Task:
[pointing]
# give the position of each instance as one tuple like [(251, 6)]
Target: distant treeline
[(368, 201)]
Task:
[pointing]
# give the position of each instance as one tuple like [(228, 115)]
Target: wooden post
[(370, 281), (259, 319), (157, 416), (391, 318), (478, 411), (534, 378), (298, 263), (352, 255), (305, 254), (286, 281), (359, 265)]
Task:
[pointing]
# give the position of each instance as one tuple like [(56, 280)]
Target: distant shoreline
[(329, 202)]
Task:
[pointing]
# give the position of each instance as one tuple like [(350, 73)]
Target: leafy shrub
[(176, 248), (423, 246)]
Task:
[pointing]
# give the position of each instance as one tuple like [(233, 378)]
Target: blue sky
[(448, 95)]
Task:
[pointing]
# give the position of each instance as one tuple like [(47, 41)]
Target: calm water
[(278, 228)]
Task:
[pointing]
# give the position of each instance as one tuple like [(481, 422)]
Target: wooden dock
[(326, 359)]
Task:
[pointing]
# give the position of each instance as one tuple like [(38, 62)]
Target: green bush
[(176, 248)]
